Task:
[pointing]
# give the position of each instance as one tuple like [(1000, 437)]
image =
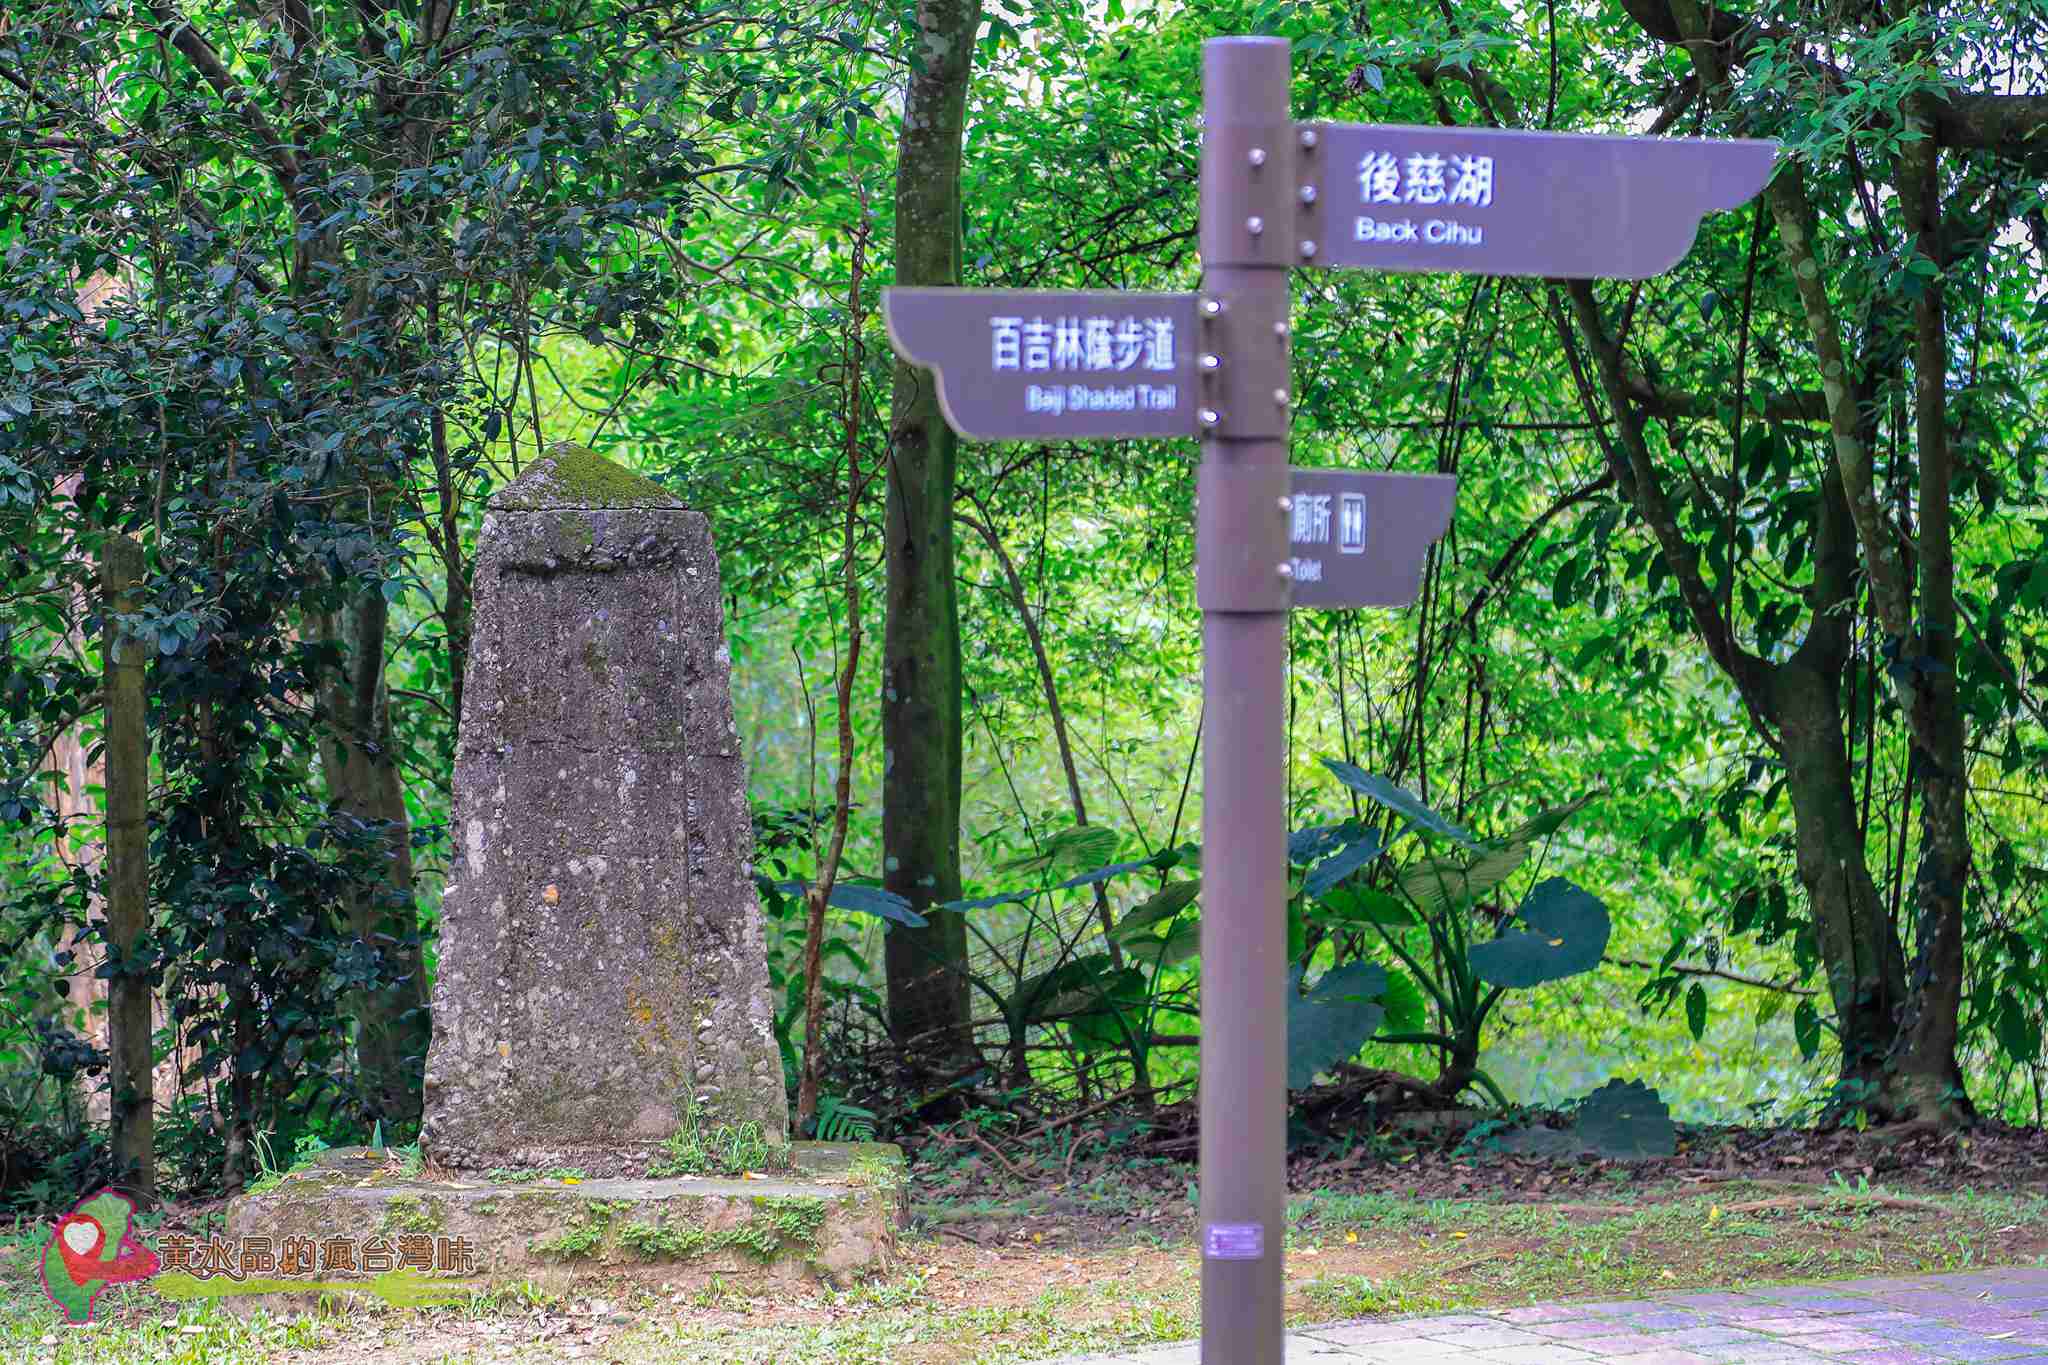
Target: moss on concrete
[(409, 1213), (588, 1236)]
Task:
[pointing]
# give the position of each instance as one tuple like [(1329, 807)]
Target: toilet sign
[(1277, 195), (1357, 540)]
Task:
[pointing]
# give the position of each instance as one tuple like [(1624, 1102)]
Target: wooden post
[(131, 1069)]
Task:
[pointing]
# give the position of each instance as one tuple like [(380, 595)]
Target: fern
[(839, 1121)]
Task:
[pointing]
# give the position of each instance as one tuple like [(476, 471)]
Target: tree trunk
[(921, 725), (1859, 944), (1858, 947), (363, 782), (1928, 1081), (130, 1022)]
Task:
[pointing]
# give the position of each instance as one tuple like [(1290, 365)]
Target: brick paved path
[(1925, 1320)]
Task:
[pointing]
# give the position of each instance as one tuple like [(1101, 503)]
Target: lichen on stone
[(570, 475)]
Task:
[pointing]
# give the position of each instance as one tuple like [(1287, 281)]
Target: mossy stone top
[(570, 475)]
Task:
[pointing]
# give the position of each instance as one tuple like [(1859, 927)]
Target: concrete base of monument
[(365, 1224)]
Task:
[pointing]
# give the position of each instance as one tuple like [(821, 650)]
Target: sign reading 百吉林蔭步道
[(1495, 202), (1026, 363)]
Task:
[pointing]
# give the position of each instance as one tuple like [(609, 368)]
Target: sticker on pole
[(1358, 539), (1033, 364), (1234, 1241), (1503, 202)]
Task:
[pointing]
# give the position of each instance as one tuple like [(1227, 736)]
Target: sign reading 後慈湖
[(1494, 202), (1026, 363)]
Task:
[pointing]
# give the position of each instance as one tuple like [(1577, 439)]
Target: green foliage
[(1331, 1021), (1427, 920), (1565, 933), (841, 1121), (726, 1149), (778, 1222), (1627, 1119), (305, 391), (586, 1237), (656, 1241)]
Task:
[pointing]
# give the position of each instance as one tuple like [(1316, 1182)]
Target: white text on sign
[(1310, 525), (1097, 344), (1062, 398), (1422, 178), (1428, 179)]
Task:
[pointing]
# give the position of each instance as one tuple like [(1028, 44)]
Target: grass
[(499, 1175), (724, 1150), (1349, 1255)]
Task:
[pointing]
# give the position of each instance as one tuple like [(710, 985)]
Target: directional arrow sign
[(1031, 364), (1021, 364), (1358, 540), (1491, 202)]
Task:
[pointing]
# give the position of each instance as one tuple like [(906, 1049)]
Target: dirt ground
[(1080, 1238)]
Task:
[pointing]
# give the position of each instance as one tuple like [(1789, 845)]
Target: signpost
[(1027, 364)]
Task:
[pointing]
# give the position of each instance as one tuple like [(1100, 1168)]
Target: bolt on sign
[(1277, 195)]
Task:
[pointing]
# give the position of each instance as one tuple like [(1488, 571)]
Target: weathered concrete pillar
[(601, 962)]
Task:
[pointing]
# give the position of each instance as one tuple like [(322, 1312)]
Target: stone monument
[(603, 978), (601, 1009)]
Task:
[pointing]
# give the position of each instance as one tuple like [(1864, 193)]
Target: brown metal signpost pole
[(1018, 364), (1248, 238)]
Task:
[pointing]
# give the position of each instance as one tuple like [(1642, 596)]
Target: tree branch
[(1793, 209), (1681, 556), (179, 33)]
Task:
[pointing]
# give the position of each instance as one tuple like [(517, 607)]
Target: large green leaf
[(1343, 863), (1627, 1119), (1364, 905), (1329, 1023), (1305, 846), (1080, 986), (1407, 1010), (1565, 933), (1165, 950), (1099, 1014), (867, 900), (1077, 846), (1102, 874), (1399, 800), (1548, 822), (1806, 1030), (2018, 1032), (1160, 906), (1437, 882)]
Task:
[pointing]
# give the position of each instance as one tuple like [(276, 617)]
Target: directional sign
[(1030, 364), (1492, 202), (1358, 539), (1276, 194)]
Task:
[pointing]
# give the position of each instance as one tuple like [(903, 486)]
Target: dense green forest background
[(1746, 584)]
